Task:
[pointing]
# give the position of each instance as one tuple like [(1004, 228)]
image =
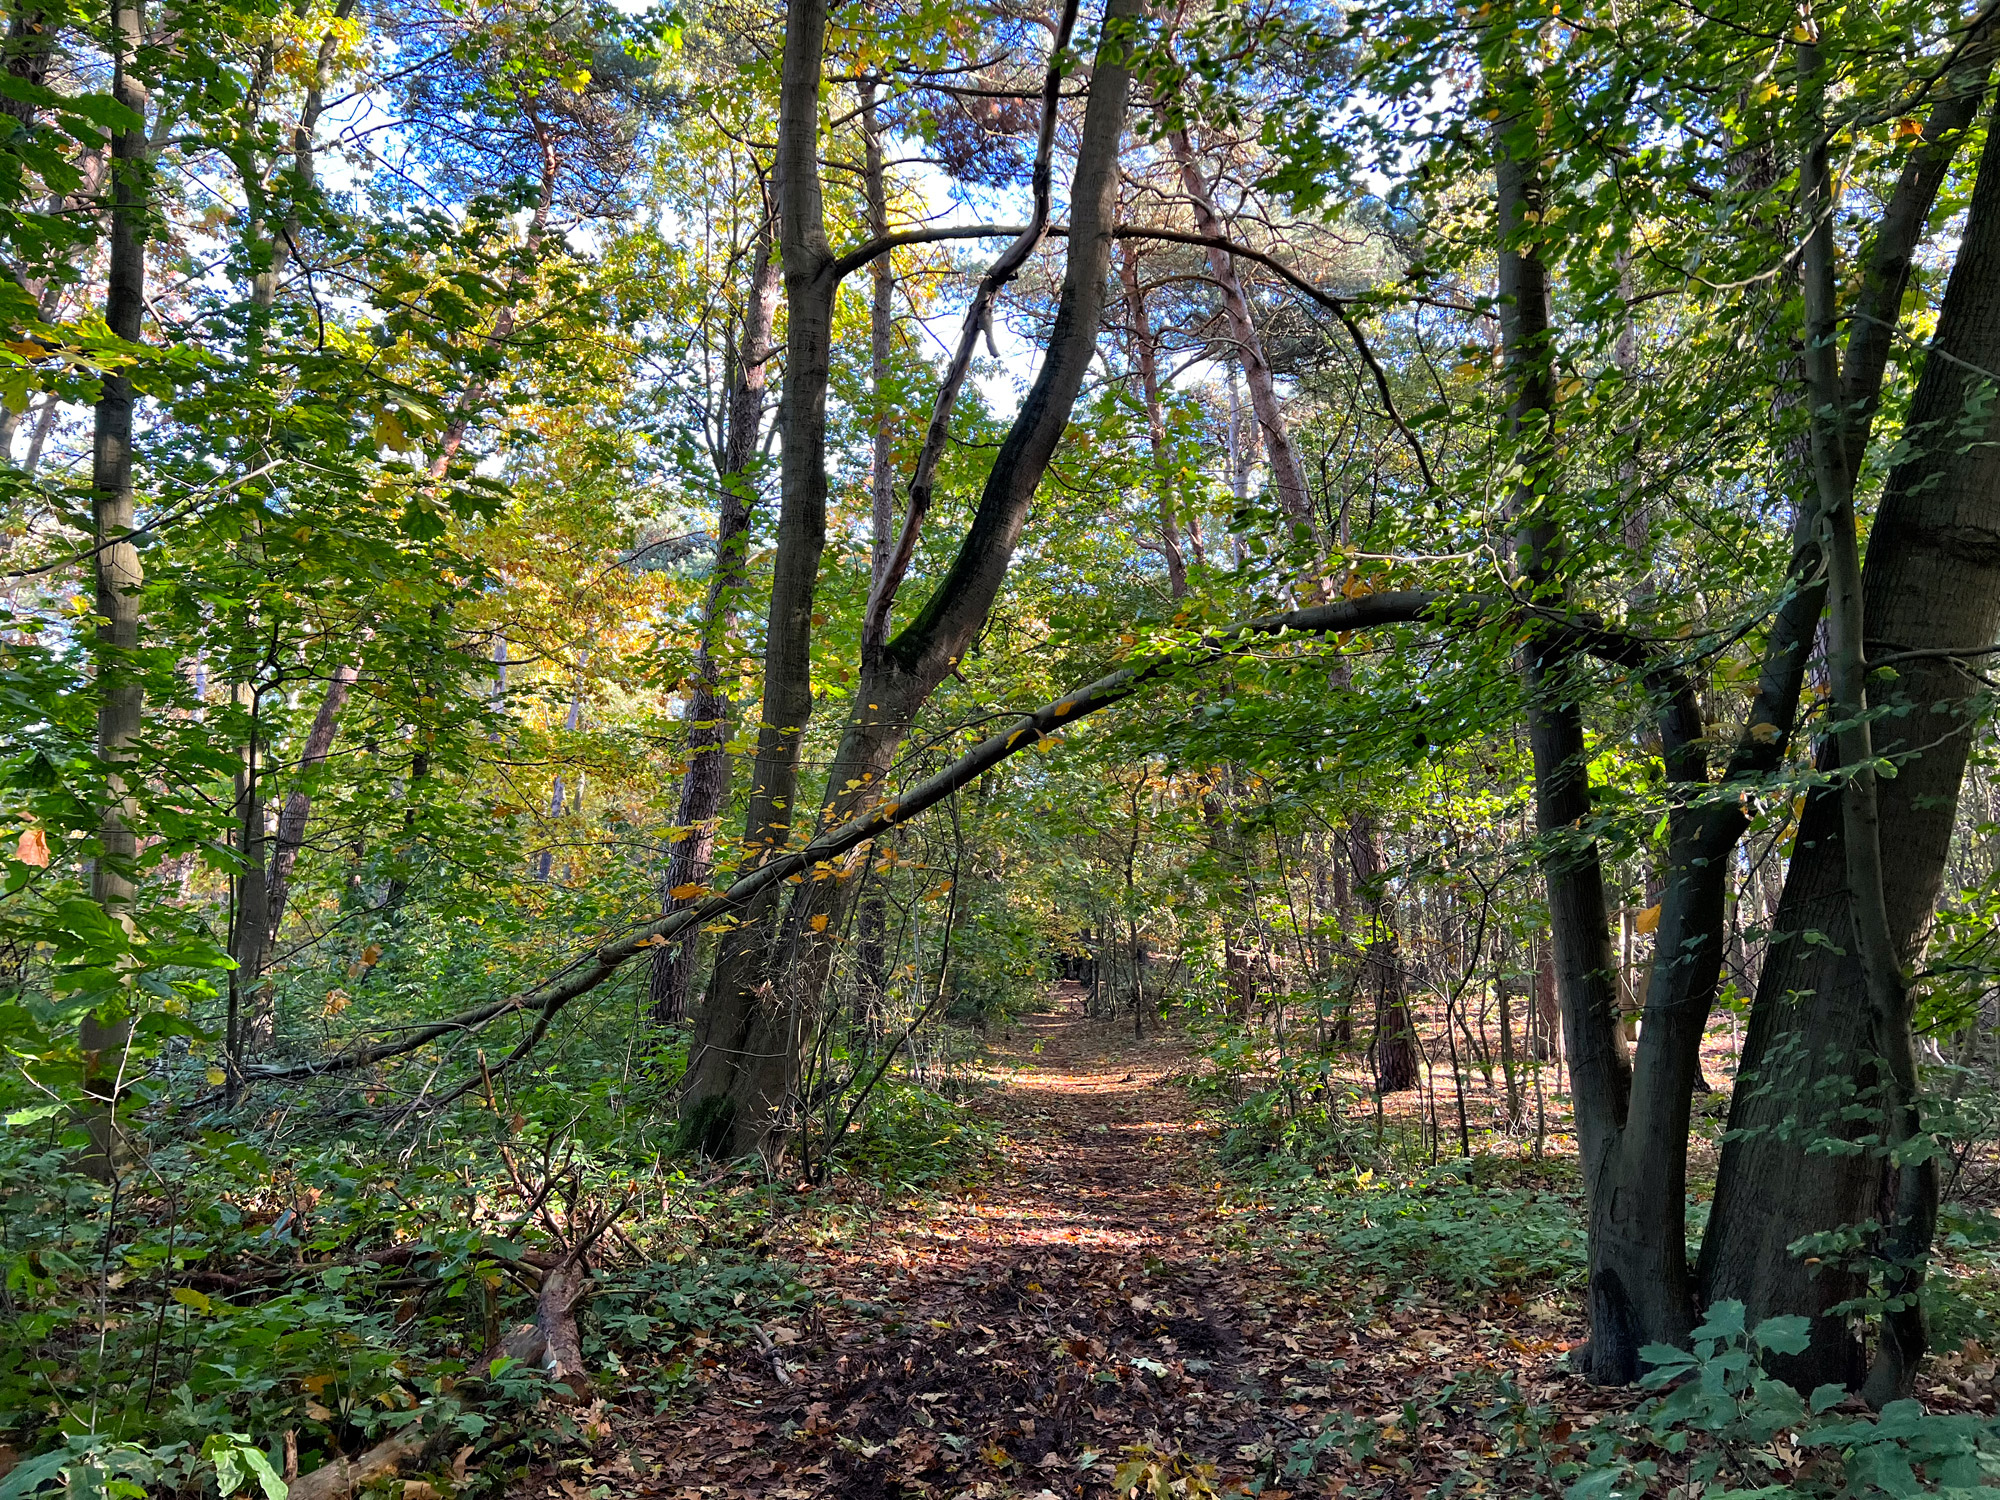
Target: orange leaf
[(688, 892), (1647, 920), (33, 849), (818, 923)]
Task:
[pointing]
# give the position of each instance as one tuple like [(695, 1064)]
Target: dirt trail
[(1026, 1337)]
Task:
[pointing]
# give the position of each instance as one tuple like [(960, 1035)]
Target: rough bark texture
[(705, 784), (1288, 476), (1931, 584)]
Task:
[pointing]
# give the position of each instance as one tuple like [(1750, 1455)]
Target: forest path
[(1025, 1336)]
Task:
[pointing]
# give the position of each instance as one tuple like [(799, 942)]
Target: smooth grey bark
[(1931, 586), (1633, 1116)]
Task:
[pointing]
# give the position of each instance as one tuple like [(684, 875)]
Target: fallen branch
[(777, 1361), (343, 1476)]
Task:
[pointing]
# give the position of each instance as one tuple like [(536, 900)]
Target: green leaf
[(1787, 1335), (1724, 1321), (1666, 1356)]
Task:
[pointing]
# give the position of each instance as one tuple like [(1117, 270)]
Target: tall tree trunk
[(744, 1057), (274, 886), (1394, 1046), (871, 922), (1146, 358), (119, 577), (1931, 588), (1288, 476), (765, 998), (705, 784), (291, 836), (250, 921)]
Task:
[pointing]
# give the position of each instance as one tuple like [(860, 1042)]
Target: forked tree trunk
[(765, 998), (746, 1052), (1633, 1115), (1931, 586)]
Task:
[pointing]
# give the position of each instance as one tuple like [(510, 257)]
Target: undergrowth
[(289, 1274)]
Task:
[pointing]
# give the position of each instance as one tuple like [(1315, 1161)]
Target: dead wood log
[(344, 1476), (550, 1341)]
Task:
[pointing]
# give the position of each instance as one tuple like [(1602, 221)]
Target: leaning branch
[(589, 970), (858, 257), (1340, 307)]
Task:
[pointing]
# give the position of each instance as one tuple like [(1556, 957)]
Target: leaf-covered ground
[(1099, 1309)]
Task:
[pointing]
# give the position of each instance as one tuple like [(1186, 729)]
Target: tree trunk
[(1931, 586), (747, 1051), (1287, 474), (705, 785), (1145, 357), (765, 997), (119, 577), (251, 921), (1394, 1048), (292, 819)]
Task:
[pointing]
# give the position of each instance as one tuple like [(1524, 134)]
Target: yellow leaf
[(818, 923), (314, 1384), (33, 849), (217, 1078), (1764, 734), (687, 892), (1647, 920), (187, 1296)]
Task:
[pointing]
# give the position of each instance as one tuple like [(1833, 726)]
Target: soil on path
[(1079, 1310)]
